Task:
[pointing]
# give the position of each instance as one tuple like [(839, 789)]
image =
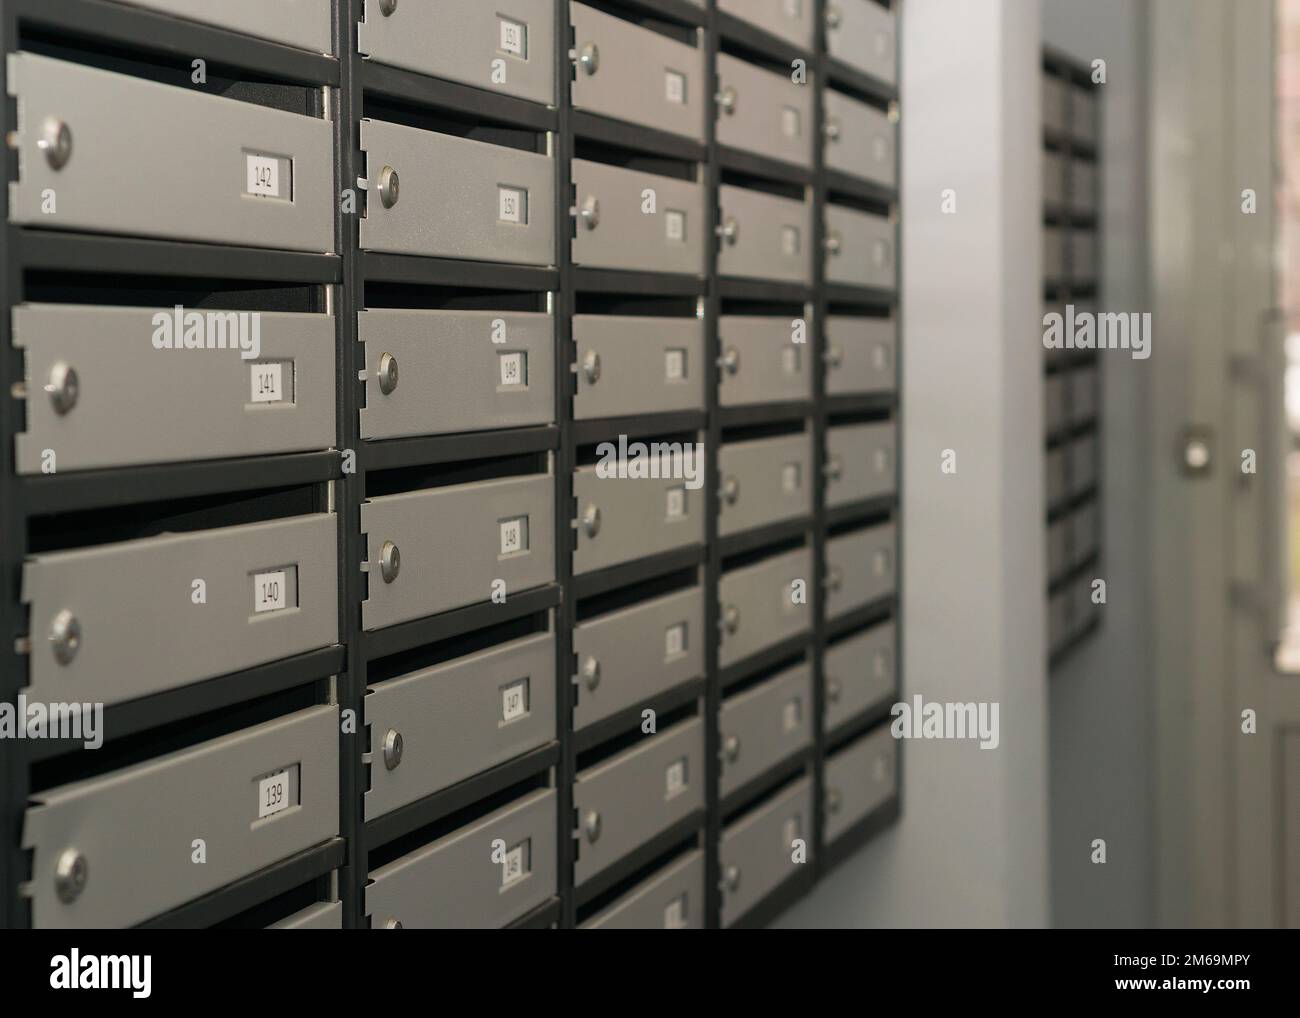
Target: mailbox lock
[(589, 59), (388, 8), (833, 129), (833, 800), (392, 748), (834, 468), (591, 520), (591, 824), (732, 877), (880, 253), (833, 690), (731, 360), (727, 100), (70, 874), (833, 243), (835, 578), (389, 187), (730, 490), (63, 387), (833, 17), (387, 373), (591, 672), (591, 366), (731, 618), (729, 230), (65, 636), (880, 563), (591, 212), (835, 357), (731, 747), (55, 142), (390, 561)]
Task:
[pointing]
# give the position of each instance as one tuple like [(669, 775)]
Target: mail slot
[(788, 20), (119, 621), (637, 221), (448, 197), (632, 73), (764, 725), (117, 849), (764, 481), (441, 548), (629, 655), (645, 504), (859, 673), (861, 355), (1053, 180), (765, 847), (859, 779), (90, 369), (765, 113), (861, 33), (860, 462), (764, 236), (226, 171), (637, 365), (764, 359), (860, 568), (859, 248), (671, 899), (481, 876), (436, 372), (623, 802), (860, 140), (304, 23), (438, 726), (764, 603), (509, 50)]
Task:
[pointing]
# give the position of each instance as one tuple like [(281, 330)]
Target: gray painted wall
[(972, 846)]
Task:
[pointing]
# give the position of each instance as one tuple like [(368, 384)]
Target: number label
[(514, 701), (675, 365), (270, 591), (676, 503), (675, 778), (263, 175), (790, 124), (512, 205), (273, 794), (513, 368), (267, 383), (675, 641), (515, 865), (514, 38), (792, 714), (675, 87), (675, 914), (675, 226), (514, 535), (790, 478), (789, 240)]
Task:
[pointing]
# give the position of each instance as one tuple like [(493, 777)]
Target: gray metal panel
[(453, 719), (859, 673), (1084, 608), (1083, 395), (640, 75), (1054, 103), (199, 402), (860, 567), (1083, 256), (1060, 610), (768, 113), (761, 361), (327, 915), (449, 540), (451, 371), (142, 631), (1055, 388), (1085, 531), (672, 899), (861, 33), (637, 652), (861, 355), (1083, 464), (764, 481), (1054, 481), (135, 827), (860, 248), (765, 724), (1058, 544), (860, 139), (301, 23), (621, 236), (768, 238), (468, 41), (1053, 180), (646, 365), (763, 596), (636, 515), (1053, 253), (758, 851), (1083, 113), (860, 462), (1083, 186), (637, 794), (460, 882), (450, 197), (858, 779), (190, 187), (791, 20)]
